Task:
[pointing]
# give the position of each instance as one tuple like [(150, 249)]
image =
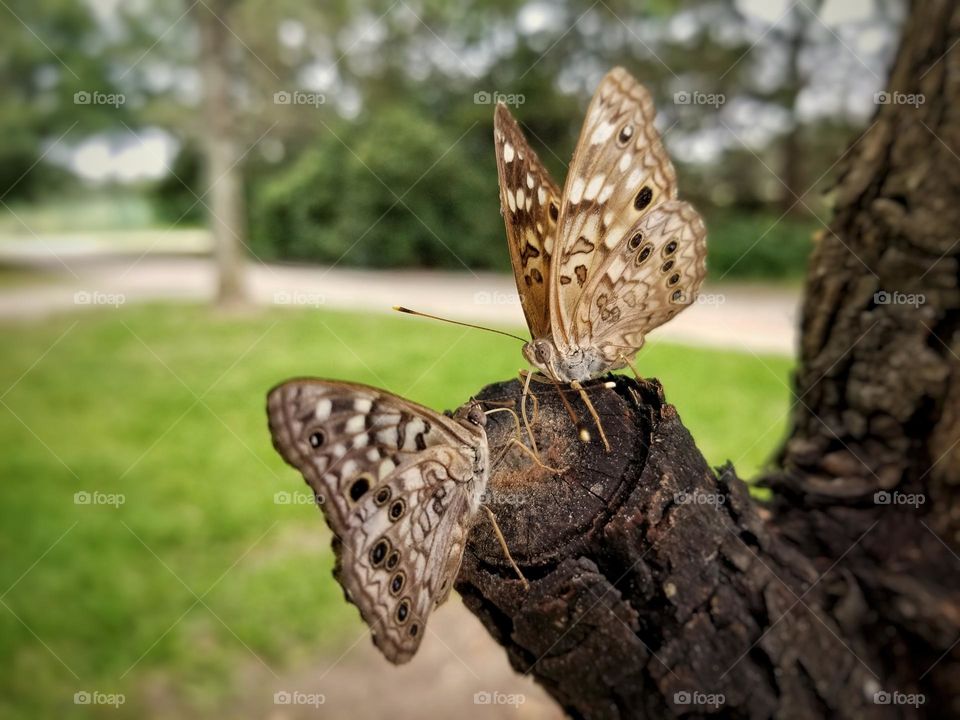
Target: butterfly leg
[(632, 367), (593, 412), (533, 453), (523, 411), (503, 545), (527, 377)]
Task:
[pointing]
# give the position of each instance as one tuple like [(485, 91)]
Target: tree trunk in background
[(878, 387), (658, 587), (224, 186), (792, 148)]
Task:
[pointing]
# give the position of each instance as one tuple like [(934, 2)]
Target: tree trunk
[(227, 214), (658, 587), (792, 154)]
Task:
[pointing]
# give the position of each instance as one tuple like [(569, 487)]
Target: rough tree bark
[(224, 177), (660, 587)]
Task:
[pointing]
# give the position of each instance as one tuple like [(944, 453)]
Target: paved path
[(456, 669), (754, 317)]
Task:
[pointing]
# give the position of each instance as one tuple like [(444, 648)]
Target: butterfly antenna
[(408, 311)]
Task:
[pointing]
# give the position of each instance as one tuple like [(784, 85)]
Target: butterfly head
[(540, 353), (471, 414)]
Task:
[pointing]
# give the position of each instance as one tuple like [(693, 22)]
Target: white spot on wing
[(576, 190), (602, 133), (614, 233), (362, 405), (386, 467), (354, 424), (507, 152), (323, 409), (530, 181), (615, 271), (593, 187)]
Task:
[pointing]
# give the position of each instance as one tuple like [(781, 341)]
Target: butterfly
[(611, 257), (399, 485)]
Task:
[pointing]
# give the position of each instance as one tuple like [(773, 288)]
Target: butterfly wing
[(647, 279), (530, 204), (398, 485), (619, 173)]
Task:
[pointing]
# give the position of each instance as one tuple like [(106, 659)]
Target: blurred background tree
[(358, 133)]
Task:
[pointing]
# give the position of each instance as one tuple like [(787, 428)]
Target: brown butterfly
[(399, 485), (614, 255)]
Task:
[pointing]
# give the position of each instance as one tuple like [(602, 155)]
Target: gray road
[(752, 317)]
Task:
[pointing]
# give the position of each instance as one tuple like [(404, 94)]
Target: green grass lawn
[(114, 209), (165, 405)]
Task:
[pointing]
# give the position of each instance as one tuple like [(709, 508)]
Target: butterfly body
[(573, 364), (614, 254), (399, 486)]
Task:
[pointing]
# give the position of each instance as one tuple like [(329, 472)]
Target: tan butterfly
[(399, 485), (614, 255)]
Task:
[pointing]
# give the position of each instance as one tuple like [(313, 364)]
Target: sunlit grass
[(165, 405)]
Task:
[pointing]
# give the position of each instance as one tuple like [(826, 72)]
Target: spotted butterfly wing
[(620, 190), (643, 282), (398, 485), (530, 204)]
